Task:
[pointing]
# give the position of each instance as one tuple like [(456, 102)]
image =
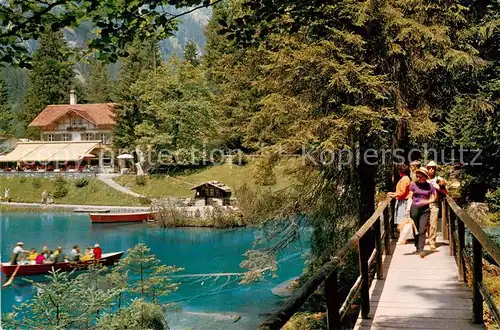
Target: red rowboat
[(107, 259), (121, 217)]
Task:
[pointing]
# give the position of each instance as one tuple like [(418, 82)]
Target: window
[(66, 137), (104, 138), (50, 137), (89, 136)]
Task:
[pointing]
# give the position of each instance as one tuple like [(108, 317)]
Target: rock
[(284, 289), (478, 211)]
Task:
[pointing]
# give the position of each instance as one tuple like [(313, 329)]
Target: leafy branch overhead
[(117, 23)]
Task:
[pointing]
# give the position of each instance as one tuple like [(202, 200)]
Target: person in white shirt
[(440, 185), (18, 249), (75, 254)]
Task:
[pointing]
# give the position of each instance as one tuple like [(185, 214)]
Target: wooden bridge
[(409, 292)]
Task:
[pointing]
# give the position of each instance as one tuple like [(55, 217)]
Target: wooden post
[(444, 220), (477, 279), (388, 231), (451, 217), (332, 302), (391, 206), (378, 246), (462, 275), (364, 245)]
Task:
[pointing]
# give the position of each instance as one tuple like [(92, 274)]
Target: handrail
[(328, 274), (480, 240), (476, 230)]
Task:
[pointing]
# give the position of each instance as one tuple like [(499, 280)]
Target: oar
[(11, 279)]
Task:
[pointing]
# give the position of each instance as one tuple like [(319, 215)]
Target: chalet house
[(211, 193), (77, 122), (73, 138)]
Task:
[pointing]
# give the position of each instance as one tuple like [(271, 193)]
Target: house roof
[(96, 113), (215, 184)]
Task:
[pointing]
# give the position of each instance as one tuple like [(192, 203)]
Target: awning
[(50, 151)]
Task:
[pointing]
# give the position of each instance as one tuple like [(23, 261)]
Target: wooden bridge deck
[(419, 293)]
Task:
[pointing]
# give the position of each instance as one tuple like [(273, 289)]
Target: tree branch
[(19, 27), (193, 9)]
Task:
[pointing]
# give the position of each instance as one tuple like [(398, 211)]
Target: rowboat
[(107, 259), (121, 217), (80, 210)]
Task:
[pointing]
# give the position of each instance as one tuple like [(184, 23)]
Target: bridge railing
[(337, 310), (458, 221)]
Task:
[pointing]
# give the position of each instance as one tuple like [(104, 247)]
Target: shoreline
[(36, 207), (16, 207)]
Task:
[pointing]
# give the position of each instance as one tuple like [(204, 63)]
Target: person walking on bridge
[(422, 194), (440, 185), (401, 193)]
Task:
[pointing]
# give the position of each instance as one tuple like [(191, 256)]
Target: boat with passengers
[(107, 259)]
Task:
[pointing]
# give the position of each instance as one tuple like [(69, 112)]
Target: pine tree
[(50, 78), (231, 69), (175, 108), (98, 84), (191, 53), (346, 75), (143, 57), (6, 116)]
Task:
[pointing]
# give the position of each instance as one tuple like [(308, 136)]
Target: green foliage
[(17, 83), (175, 108), (306, 321), (145, 201), (233, 71), (96, 298), (143, 57), (152, 278), (6, 115), (264, 170), (117, 24), (36, 182), (191, 53), (141, 180), (140, 315), (60, 187), (239, 159), (98, 87), (61, 303), (493, 200), (81, 182), (50, 79), (322, 76)]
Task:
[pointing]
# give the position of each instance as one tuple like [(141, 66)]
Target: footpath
[(108, 179)]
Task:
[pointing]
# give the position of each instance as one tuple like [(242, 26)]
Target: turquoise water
[(206, 302)]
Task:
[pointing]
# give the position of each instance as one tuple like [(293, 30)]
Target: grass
[(180, 185), (29, 190), (4, 208)]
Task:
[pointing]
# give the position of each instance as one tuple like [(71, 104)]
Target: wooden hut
[(212, 192)]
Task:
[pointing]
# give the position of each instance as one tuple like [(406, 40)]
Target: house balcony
[(76, 128)]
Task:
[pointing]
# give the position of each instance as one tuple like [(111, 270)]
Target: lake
[(205, 302)]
